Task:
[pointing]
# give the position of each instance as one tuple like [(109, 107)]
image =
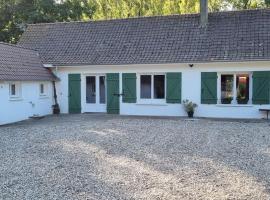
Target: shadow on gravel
[(116, 157), (195, 156)]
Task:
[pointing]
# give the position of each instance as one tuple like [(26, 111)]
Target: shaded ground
[(113, 157)]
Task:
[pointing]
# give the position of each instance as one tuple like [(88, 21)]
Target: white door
[(95, 93)]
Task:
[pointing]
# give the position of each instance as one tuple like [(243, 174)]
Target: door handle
[(116, 94)]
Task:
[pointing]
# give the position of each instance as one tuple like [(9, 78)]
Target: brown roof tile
[(21, 64)]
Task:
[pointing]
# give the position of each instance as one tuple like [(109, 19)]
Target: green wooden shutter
[(209, 88), (74, 90), (174, 87), (261, 88), (113, 99), (129, 87)]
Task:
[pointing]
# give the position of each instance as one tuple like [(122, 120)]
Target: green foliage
[(15, 14), (189, 105), (108, 9), (248, 4)]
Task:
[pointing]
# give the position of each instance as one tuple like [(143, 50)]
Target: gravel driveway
[(112, 157)]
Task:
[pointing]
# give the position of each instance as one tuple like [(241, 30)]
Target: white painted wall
[(30, 103), (191, 88)]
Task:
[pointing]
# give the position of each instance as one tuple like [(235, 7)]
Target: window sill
[(43, 96), (15, 99), (234, 105), (152, 104), (92, 104)]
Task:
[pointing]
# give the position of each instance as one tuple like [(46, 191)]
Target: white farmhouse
[(149, 65), (25, 85)]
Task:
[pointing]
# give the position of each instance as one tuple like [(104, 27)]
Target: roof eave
[(159, 63)]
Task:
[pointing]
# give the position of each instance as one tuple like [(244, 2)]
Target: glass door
[(95, 95)]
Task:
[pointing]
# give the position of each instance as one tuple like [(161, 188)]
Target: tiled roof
[(229, 36), (21, 64)]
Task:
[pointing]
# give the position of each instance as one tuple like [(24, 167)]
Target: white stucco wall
[(30, 103), (191, 88)]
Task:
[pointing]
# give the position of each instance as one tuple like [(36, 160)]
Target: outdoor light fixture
[(191, 65)]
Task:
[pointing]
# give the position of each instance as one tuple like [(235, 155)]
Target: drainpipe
[(56, 108)]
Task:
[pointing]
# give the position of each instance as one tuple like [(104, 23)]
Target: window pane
[(91, 89), (242, 85), (146, 86), (226, 89), (102, 89), (159, 86), (41, 89), (13, 89)]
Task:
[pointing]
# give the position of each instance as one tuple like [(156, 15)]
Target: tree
[(248, 4), (16, 14), (108, 9)]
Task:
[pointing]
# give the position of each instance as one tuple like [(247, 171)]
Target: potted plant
[(189, 107), (242, 95), (226, 100), (56, 109), (241, 100)]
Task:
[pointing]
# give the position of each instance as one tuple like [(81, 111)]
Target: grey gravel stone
[(118, 157)]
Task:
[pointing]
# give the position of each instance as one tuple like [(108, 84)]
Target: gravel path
[(114, 157)]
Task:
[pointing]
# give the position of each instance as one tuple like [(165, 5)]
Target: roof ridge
[(153, 16), (18, 46), (107, 20)]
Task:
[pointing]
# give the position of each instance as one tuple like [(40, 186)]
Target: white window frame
[(18, 90), (151, 100), (97, 77), (234, 101), (45, 90), (105, 85)]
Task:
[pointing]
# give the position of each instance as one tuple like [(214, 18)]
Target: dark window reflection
[(102, 89), (159, 86), (242, 84), (91, 89), (146, 86), (226, 89)]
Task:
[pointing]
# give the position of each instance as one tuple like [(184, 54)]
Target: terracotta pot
[(190, 114)]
